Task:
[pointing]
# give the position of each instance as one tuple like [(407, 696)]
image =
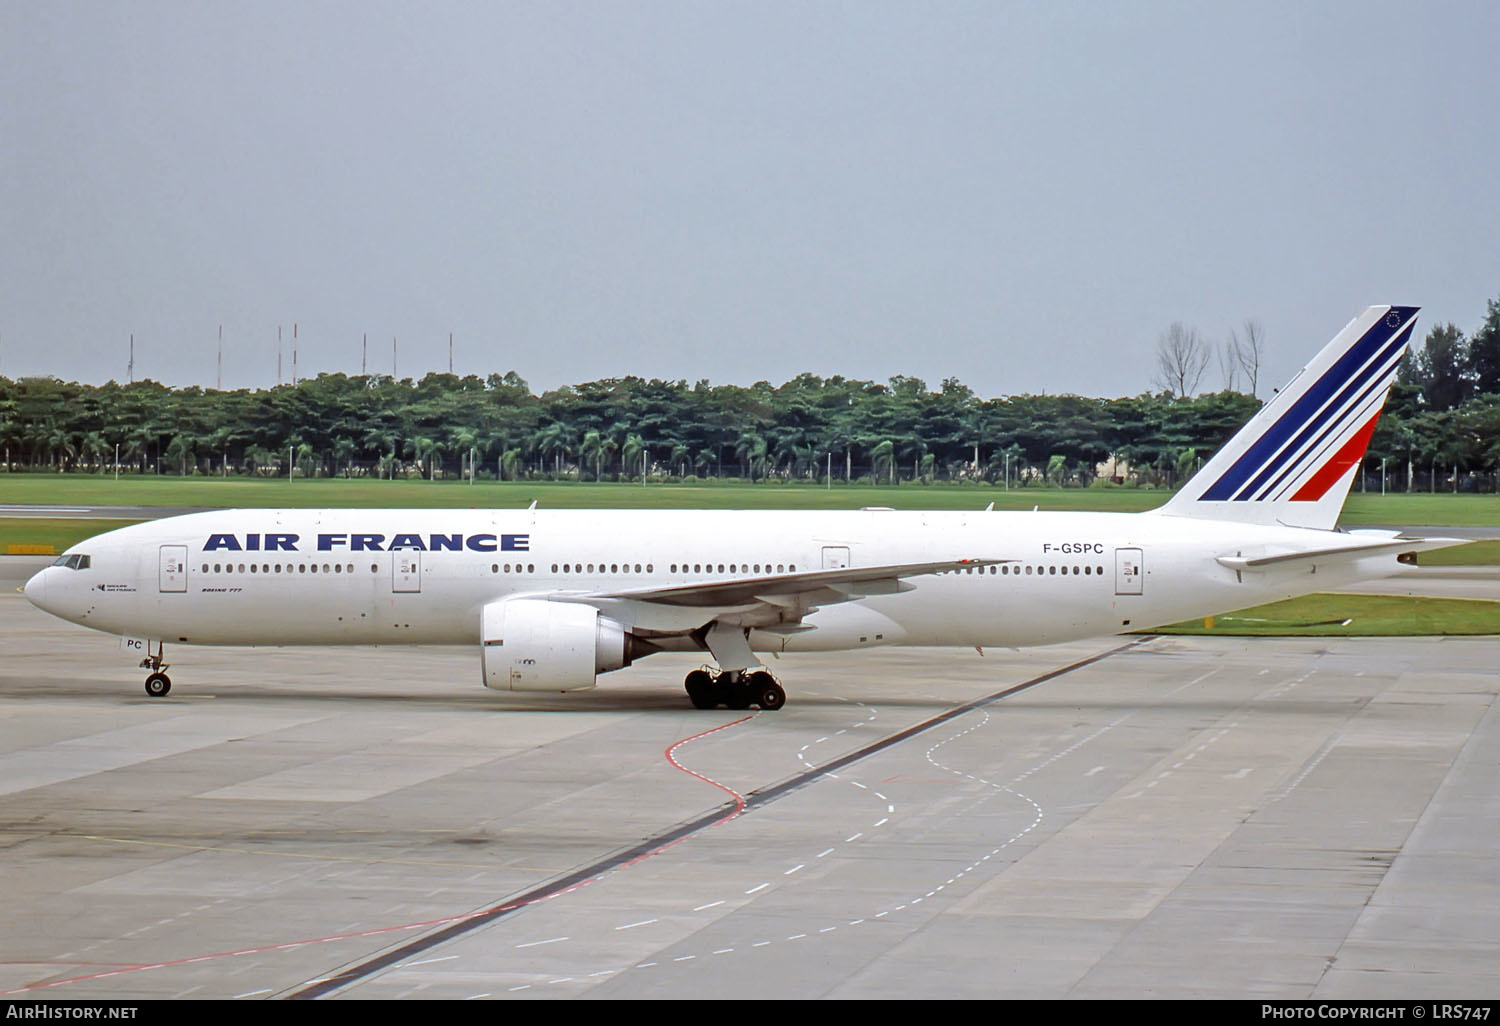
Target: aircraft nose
[(36, 590)]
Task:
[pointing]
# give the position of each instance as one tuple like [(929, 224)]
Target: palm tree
[(883, 456), (424, 448), (257, 457), (343, 452), (138, 444), (95, 448), (305, 459), (554, 441), (1057, 470), (511, 461), (632, 453), (180, 448), (751, 451), (591, 449)]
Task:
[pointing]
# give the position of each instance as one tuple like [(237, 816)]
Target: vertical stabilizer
[(1294, 461)]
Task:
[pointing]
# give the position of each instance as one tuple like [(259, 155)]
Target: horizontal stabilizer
[(1338, 553)]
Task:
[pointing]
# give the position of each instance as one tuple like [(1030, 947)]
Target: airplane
[(555, 598)]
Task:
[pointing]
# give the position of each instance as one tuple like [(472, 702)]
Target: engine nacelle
[(537, 645)]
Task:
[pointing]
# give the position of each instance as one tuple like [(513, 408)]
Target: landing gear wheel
[(701, 690), (765, 692), (738, 694), (158, 684)]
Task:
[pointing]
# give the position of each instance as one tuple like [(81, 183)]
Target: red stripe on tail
[(1353, 451)]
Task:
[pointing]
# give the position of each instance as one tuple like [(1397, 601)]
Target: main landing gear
[(158, 684), (738, 689)]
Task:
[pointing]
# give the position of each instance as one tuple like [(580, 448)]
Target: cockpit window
[(76, 561)]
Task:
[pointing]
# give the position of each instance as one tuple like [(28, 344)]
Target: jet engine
[(537, 645)]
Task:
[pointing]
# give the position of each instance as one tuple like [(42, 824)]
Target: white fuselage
[(333, 577)]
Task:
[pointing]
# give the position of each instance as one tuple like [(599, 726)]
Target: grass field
[(1345, 616), (147, 490)]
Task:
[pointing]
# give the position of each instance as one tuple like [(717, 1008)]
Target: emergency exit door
[(173, 568), (1129, 572), (406, 570)]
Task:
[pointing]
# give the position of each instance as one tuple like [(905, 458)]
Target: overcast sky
[(1021, 195)]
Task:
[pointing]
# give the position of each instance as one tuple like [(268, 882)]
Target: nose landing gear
[(158, 683)]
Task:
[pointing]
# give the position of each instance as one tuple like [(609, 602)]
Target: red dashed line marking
[(739, 799)]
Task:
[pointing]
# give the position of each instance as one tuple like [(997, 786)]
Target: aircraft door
[(835, 557), (1129, 572), (173, 568), (406, 570)]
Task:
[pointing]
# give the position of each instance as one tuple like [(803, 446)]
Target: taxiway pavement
[(1152, 817)]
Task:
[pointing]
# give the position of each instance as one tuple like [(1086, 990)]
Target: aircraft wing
[(773, 601), (847, 582)]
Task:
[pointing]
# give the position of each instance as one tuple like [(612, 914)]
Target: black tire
[(701, 690), (158, 684), (739, 695), (769, 695)]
